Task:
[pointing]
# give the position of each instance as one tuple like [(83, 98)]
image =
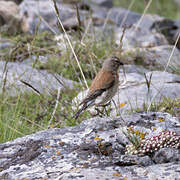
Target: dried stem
[(69, 42), (55, 108)]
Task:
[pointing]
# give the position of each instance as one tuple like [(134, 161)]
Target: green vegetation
[(27, 45), (89, 54), (60, 59), (23, 114), (27, 113), (171, 106), (163, 8)]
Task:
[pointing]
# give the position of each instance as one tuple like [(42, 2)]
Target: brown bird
[(104, 86)]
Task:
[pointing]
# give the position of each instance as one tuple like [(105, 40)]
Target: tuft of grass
[(28, 113), (27, 45), (134, 136), (23, 114), (163, 8), (171, 106)]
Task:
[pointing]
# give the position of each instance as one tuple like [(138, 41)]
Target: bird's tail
[(84, 107), (80, 111)]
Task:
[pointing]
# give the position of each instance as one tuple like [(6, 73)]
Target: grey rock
[(170, 28), (33, 59), (68, 15), (166, 155), (41, 80), (123, 17), (33, 9), (10, 19), (104, 19), (132, 68), (140, 38), (134, 91), (16, 1), (157, 57), (129, 160), (142, 32), (103, 3), (89, 150), (118, 14)]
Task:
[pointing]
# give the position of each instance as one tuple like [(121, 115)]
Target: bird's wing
[(103, 81)]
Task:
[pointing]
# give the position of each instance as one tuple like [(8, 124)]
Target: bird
[(103, 87)]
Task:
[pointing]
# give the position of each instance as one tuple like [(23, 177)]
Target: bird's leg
[(100, 113), (107, 104), (114, 103), (106, 110), (104, 107)]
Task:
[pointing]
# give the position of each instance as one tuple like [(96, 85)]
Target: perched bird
[(104, 86)]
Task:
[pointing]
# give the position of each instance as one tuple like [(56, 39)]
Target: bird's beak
[(120, 63)]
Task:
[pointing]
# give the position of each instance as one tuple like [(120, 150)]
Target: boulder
[(140, 38), (154, 58), (169, 28), (16, 1), (134, 93), (44, 10), (10, 19), (41, 80), (94, 149)]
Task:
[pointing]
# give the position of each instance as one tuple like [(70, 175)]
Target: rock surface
[(92, 150), (140, 38), (41, 80), (157, 57), (10, 19), (134, 93), (45, 10), (16, 1), (169, 28)]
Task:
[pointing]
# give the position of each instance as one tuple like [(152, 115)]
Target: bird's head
[(112, 63)]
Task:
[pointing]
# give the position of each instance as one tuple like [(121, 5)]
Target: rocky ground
[(95, 149), (119, 145)]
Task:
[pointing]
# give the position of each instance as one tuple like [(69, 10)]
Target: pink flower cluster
[(164, 139), (150, 145)]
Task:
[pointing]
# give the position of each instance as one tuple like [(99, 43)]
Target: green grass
[(163, 8), (28, 113), (27, 45), (23, 114), (171, 106)]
